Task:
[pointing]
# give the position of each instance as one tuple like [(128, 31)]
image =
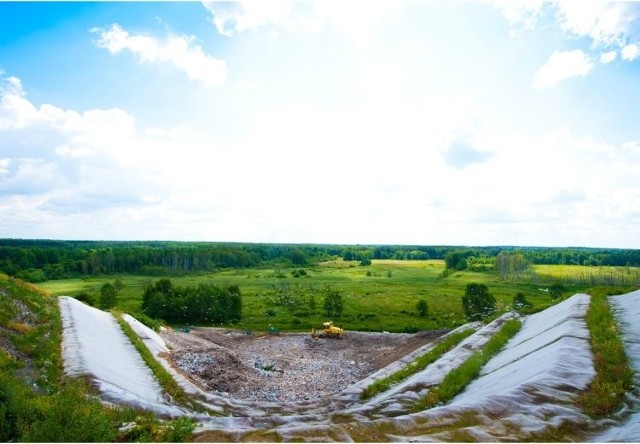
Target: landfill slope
[(94, 346)]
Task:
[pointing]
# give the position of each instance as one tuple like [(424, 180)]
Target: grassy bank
[(169, 385), (613, 374), (457, 379), (414, 367)]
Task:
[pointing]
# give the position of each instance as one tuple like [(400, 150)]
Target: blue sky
[(405, 122)]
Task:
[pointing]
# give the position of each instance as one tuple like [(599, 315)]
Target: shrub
[(477, 302), (411, 329), (149, 322), (87, 298), (302, 313), (108, 296), (332, 303), (423, 308), (269, 312), (556, 290), (69, 416), (520, 302), (298, 273)]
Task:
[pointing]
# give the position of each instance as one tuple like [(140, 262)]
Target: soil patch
[(285, 367)]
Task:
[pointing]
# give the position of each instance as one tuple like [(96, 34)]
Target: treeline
[(484, 258), (41, 260), (204, 304), (37, 261)]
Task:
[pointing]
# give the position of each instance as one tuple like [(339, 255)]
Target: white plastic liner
[(93, 345), (151, 339), (626, 309), (550, 352), (529, 386)]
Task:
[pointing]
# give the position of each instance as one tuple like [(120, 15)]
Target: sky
[(451, 122)]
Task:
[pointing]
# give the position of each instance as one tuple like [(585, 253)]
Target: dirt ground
[(285, 367)]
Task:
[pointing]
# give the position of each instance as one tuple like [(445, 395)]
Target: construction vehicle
[(329, 331)]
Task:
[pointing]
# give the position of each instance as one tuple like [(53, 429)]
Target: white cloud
[(630, 52), (562, 65), (4, 165), (178, 51), (354, 19), (13, 86), (607, 23), (235, 17), (608, 57), (524, 13)]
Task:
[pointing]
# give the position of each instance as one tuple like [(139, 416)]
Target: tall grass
[(414, 367), (613, 374), (457, 379)]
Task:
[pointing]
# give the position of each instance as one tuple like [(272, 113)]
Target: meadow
[(377, 297)]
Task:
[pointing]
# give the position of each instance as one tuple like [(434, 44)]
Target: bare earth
[(286, 367)]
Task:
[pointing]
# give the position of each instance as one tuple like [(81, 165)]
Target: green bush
[(153, 324), (332, 303), (69, 416), (269, 312), (148, 428), (556, 290), (477, 302), (422, 307), (521, 303), (87, 298)]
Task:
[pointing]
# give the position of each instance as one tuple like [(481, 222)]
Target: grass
[(601, 275), (414, 367), (384, 300), (166, 381), (457, 379), (613, 374)]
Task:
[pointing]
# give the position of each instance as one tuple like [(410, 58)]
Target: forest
[(42, 260)]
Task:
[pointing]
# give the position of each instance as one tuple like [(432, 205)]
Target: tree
[(298, 257), (477, 302), (332, 303), (235, 303), (513, 266), (422, 307), (312, 303), (108, 296), (520, 302), (118, 285), (556, 290)]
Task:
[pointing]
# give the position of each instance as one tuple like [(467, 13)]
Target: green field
[(378, 297)]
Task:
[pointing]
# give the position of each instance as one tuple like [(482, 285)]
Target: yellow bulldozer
[(329, 331)]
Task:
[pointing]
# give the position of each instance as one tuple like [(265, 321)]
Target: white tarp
[(94, 345), (626, 309), (529, 386)]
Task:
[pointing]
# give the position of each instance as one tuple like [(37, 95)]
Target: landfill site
[(292, 387), (284, 367)]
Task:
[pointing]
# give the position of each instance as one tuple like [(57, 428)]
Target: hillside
[(530, 390), (40, 404)]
